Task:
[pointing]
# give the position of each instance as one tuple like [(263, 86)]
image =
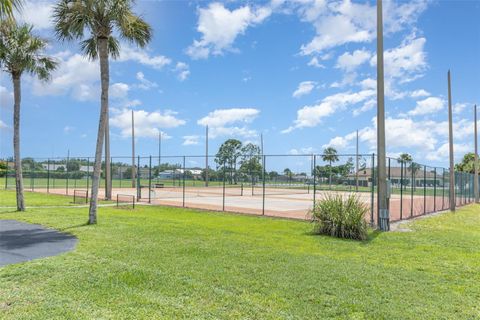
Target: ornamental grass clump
[(340, 216)]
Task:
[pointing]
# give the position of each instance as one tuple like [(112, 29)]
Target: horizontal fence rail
[(278, 185)]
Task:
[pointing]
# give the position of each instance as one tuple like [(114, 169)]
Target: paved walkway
[(20, 241)]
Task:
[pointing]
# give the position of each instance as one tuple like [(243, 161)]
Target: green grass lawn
[(155, 262)]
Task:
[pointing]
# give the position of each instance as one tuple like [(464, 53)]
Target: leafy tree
[(102, 21), (8, 6), (226, 157), (3, 168), (330, 155), (250, 163), (288, 173), (467, 164), (73, 166), (22, 52)]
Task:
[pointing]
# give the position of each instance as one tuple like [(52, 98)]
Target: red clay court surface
[(277, 202)]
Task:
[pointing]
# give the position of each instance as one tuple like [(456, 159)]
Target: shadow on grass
[(372, 235), (85, 224)]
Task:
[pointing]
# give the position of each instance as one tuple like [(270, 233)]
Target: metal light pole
[(450, 141), (475, 181), (206, 156), (133, 150), (383, 215)]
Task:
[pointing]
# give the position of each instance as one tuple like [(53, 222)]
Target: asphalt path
[(20, 241)]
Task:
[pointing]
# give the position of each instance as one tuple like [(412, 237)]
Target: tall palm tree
[(8, 6), (95, 23), (404, 159), (330, 155), (22, 52)]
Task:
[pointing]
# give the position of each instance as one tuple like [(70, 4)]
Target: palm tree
[(405, 159), (22, 52), (8, 6), (330, 155), (100, 20)]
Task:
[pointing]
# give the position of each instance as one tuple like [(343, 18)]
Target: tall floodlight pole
[(475, 181), (450, 141), (383, 216), (206, 156), (108, 173), (261, 143), (133, 150), (356, 166)]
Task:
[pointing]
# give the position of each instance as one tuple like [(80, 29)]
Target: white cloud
[(76, 75), (6, 98), (147, 124), (38, 13), (459, 107), (304, 150), (68, 129), (428, 106), (119, 90), (128, 53), (315, 63), (406, 62), (350, 61), (221, 122), (442, 153), (183, 71), (304, 87), (145, 84), (353, 22), (310, 116), (367, 106), (220, 27), (419, 93), (190, 140)]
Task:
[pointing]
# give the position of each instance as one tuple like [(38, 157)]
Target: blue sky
[(300, 72)]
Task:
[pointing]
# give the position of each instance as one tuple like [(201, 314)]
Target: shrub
[(340, 216)]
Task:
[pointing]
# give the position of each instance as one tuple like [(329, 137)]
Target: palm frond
[(134, 29), (89, 47)]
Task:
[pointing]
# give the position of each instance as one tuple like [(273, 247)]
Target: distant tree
[(404, 159), (73, 165), (226, 157), (3, 168), (250, 163), (467, 164), (330, 155), (288, 173)]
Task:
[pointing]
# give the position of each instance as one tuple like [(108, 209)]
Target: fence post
[(88, 172), (139, 187), (263, 178), (401, 190), (223, 197), (424, 189), (149, 180), (32, 165), (314, 179), (48, 175), (6, 175), (435, 189), (66, 167), (413, 187), (372, 190), (183, 191), (443, 188)]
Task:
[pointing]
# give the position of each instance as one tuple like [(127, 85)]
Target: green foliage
[(341, 217), (3, 168), (467, 164), (21, 51), (100, 19), (7, 7), (330, 155)]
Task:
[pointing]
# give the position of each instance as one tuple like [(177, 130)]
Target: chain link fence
[(276, 185)]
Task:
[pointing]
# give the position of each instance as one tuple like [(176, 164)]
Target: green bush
[(340, 216)]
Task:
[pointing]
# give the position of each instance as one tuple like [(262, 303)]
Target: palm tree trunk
[(16, 143), (108, 173), (105, 78)]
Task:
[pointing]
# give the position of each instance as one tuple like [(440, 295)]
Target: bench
[(159, 185)]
